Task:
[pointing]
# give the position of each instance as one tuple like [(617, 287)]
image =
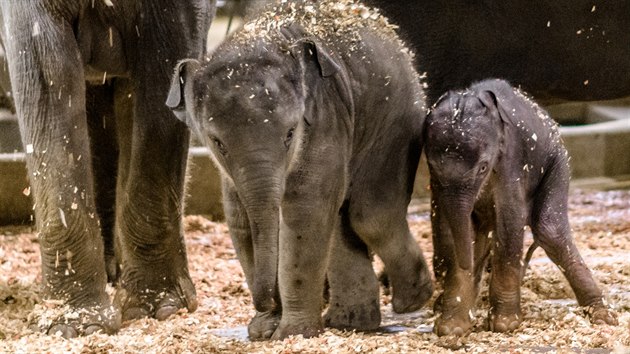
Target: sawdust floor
[(552, 320)]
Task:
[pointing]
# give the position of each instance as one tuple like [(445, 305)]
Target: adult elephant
[(105, 157), (564, 49)]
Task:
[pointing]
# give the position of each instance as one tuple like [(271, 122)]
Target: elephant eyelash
[(289, 137), (219, 146)]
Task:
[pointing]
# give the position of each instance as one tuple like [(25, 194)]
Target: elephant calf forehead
[(468, 149), (466, 134), (263, 88), (240, 97)]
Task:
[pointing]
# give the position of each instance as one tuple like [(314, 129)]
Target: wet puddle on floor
[(240, 333), (236, 333), (391, 323)]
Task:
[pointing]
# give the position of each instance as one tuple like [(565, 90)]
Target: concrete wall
[(596, 150), (598, 142)]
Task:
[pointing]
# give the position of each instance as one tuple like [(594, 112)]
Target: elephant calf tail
[(528, 257)]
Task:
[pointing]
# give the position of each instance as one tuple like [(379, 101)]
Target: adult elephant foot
[(306, 329), (158, 299), (600, 314), (263, 325), (351, 314), (80, 320), (504, 322)]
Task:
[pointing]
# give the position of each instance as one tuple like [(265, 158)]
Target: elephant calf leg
[(354, 291), (390, 238), (456, 302), (562, 251), (505, 296)]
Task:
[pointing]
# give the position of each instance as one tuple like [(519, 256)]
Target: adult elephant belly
[(106, 162), (101, 45), (555, 50)]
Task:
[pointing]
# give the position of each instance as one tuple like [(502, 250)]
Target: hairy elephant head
[(248, 104), (464, 137)]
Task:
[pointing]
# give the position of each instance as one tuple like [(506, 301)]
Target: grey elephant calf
[(497, 164), (313, 113)]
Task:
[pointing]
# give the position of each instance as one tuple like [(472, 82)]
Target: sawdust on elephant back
[(552, 319), (338, 20)]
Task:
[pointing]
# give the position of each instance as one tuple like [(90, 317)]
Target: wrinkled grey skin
[(106, 159), (497, 164), (318, 145), (555, 50)]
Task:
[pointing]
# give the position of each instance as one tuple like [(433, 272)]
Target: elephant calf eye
[(219, 145), (483, 168), (287, 140)]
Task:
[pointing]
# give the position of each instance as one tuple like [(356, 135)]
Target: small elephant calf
[(497, 164), (313, 113)]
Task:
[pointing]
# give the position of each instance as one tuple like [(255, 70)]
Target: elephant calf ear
[(489, 100), (328, 66), (176, 99)]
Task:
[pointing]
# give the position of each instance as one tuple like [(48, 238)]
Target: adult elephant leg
[(354, 290), (6, 100), (154, 277), (264, 323), (123, 112), (49, 91), (104, 147)]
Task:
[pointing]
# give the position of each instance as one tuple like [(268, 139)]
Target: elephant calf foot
[(76, 322), (159, 304), (504, 322), (361, 317), (600, 314), (306, 329), (452, 325), (263, 325), (413, 298), (456, 318)]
